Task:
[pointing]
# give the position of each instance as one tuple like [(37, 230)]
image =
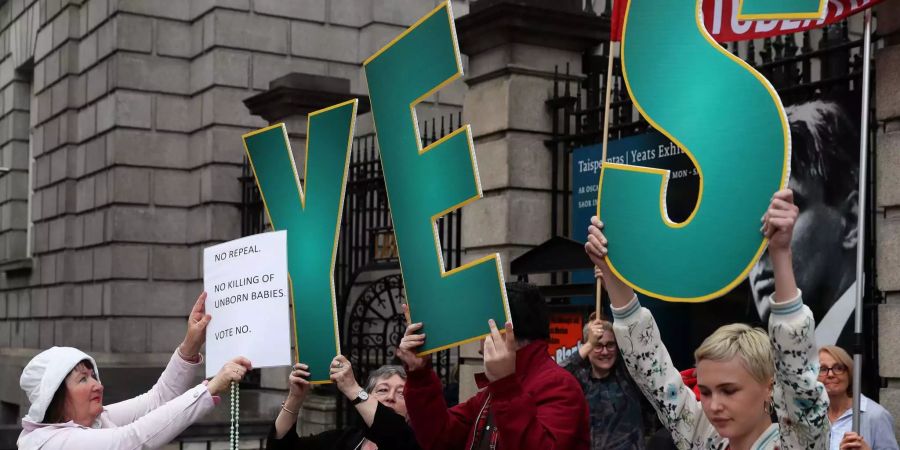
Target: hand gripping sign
[(312, 217), (728, 119), (425, 183)]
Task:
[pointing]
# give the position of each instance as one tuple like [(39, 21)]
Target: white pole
[(860, 245)]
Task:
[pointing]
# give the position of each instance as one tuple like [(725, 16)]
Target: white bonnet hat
[(44, 374)]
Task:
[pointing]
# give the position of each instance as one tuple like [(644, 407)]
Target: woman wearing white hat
[(67, 412)]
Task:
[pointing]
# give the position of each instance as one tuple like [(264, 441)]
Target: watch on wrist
[(361, 396)]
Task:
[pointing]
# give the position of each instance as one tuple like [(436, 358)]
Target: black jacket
[(389, 431)]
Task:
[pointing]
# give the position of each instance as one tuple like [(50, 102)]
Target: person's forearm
[(189, 353), (585, 350), (176, 378), (436, 427), (287, 420), (367, 409), (619, 292), (152, 430), (799, 396), (650, 365), (785, 284)]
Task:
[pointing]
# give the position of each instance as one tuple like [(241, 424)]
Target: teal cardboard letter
[(312, 217), (728, 119), (425, 183)]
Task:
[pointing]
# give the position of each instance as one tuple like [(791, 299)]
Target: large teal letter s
[(729, 120)]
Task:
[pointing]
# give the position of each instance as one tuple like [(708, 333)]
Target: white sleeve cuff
[(785, 308), (631, 308)]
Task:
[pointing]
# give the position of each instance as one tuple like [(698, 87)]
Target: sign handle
[(609, 73)]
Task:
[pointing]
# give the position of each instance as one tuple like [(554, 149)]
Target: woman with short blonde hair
[(738, 339), (840, 356)]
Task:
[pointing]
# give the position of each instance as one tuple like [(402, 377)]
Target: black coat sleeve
[(325, 440), (390, 431)]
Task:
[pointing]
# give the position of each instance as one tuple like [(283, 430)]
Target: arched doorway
[(374, 325)]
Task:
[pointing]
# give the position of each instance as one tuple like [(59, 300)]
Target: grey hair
[(382, 373)]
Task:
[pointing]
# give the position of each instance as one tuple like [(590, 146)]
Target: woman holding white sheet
[(67, 411)]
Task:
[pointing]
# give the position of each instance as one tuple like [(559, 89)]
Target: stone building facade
[(121, 124)]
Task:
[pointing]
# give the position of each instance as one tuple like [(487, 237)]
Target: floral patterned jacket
[(801, 402)]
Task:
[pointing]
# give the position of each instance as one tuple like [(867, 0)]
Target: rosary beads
[(234, 443)]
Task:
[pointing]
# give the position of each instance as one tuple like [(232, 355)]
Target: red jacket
[(689, 376), (540, 407)]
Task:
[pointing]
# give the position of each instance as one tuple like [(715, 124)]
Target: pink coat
[(150, 420)]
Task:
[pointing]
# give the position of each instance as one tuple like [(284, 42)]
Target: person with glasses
[(876, 424), (381, 404), (618, 412)]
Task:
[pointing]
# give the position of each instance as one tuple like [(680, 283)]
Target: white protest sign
[(246, 282)]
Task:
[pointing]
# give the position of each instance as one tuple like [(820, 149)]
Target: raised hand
[(596, 246), (298, 385), (499, 352), (409, 345), (595, 331), (853, 441), (233, 370), (342, 374), (298, 388), (597, 249), (778, 226), (779, 219), (196, 329)]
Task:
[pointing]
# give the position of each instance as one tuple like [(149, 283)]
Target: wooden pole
[(609, 73)]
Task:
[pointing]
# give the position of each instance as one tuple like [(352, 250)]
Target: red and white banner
[(720, 19)]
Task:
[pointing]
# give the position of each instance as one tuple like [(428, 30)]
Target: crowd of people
[(750, 389)]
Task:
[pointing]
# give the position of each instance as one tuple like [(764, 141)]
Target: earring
[(769, 406)]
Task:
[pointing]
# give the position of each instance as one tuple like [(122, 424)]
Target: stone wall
[(887, 186)]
